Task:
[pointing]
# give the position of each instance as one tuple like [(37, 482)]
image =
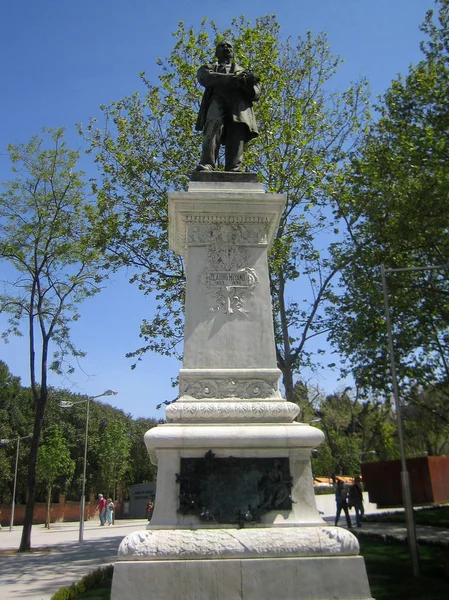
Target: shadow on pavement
[(21, 574)]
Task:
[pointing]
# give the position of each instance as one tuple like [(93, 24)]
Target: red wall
[(429, 480), (63, 511)]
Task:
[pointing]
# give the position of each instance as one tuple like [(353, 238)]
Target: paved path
[(62, 560)]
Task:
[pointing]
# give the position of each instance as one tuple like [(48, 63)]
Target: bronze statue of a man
[(226, 115)]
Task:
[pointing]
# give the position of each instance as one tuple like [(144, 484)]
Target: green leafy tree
[(139, 469), (16, 420), (71, 422), (356, 430), (45, 236), (112, 453), (396, 206), (147, 146), (54, 463), (426, 422)]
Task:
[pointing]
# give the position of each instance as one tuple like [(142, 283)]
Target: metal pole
[(407, 497), (13, 504), (64, 404), (83, 498)]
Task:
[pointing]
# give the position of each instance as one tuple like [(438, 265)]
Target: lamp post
[(405, 481), (13, 503), (66, 404)]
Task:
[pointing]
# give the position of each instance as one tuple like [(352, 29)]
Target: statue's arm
[(255, 92), (245, 81), (208, 77), (248, 83)]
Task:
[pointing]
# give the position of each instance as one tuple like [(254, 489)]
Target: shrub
[(87, 582)]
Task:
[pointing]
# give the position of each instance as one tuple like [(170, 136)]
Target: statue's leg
[(235, 144), (212, 133)]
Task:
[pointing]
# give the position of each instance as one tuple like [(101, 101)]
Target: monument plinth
[(235, 515)]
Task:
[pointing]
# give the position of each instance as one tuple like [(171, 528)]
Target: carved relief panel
[(228, 276)]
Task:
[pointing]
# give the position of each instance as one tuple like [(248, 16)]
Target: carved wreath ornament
[(230, 289), (226, 277)]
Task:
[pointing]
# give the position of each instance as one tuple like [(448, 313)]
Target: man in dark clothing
[(356, 500), (226, 115), (341, 495)]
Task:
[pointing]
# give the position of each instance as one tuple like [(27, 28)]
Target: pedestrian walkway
[(58, 559)]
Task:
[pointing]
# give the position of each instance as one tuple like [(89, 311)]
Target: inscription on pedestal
[(230, 289), (229, 279), (233, 490)]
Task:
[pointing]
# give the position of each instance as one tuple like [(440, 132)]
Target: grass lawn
[(389, 572)]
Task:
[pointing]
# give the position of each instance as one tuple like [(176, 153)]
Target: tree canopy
[(396, 204), (145, 145), (127, 455), (45, 236)]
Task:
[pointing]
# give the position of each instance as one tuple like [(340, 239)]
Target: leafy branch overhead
[(145, 145), (46, 237), (397, 202)]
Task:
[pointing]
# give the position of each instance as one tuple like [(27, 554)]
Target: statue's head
[(224, 51)]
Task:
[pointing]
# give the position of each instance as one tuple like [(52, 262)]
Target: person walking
[(341, 499), (150, 509), (101, 509), (355, 499), (110, 512)]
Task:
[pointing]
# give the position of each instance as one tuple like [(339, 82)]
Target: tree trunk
[(47, 518), (25, 542), (287, 381)]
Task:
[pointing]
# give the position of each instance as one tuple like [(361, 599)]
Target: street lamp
[(67, 404), (367, 452), (13, 504)]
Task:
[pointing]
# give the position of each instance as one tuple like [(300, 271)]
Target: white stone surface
[(229, 384), (167, 444), (212, 412), (219, 206), (229, 187), (322, 578), (224, 235), (229, 438), (205, 544), (228, 322), (230, 404)]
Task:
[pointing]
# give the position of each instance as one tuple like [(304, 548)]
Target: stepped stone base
[(323, 578)]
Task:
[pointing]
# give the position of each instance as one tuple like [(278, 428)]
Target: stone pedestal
[(235, 514)]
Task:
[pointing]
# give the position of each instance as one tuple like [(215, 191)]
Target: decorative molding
[(266, 412), (228, 229), (246, 543), (228, 388), (221, 207)]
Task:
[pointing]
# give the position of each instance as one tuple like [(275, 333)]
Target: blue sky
[(62, 59)]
